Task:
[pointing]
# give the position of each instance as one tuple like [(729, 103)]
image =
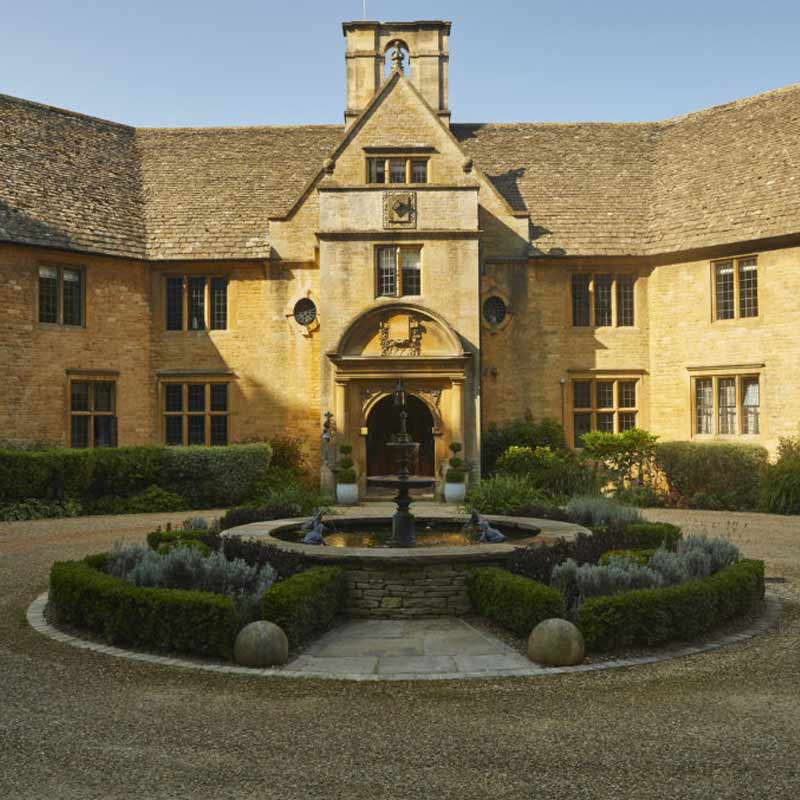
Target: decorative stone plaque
[(400, 209)]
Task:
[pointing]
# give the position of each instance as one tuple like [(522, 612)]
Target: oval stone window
[(494, 310), (305, 311)]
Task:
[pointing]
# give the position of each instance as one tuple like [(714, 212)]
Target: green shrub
[(780, 492), (194, 544), (716, 475), (212, 477), (789, 448), (624, 458), (455, 476), (163, 619), (306, 603), (151, 500), (39, 509), (123, 472), (516, 603), (501, 494), (598, 511), (523, 432), (346, 475), (654, 616), (654, 534), (158, 537), (641, 557), (57, 474), (559, 473)]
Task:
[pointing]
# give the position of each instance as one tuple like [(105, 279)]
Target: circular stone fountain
[(429, 579), (402, 566)]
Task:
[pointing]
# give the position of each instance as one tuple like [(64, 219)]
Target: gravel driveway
[(73, 724)]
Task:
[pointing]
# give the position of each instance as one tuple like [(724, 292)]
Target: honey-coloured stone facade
[(510, 212)]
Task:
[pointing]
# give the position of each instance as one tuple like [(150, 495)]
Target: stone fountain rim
[(550, 530)]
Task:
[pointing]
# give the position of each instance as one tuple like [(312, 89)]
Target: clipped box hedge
[(654, 616), (652, 535), (203, 477), (306, 603), (84, 596), (514, 602)]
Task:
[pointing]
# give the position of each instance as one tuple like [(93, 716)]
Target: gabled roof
[(720, 176)]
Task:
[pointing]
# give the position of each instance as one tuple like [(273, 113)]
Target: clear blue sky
[(241, 62)]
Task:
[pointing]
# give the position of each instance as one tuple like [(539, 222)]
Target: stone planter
[(455, 492), (347, 494)]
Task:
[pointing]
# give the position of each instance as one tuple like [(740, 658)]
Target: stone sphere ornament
[(556, 643), (261, 644)]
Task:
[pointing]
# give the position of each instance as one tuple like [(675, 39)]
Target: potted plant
[(346, 486), (455, 476)]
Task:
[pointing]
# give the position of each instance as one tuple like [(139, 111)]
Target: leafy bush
[(57, 474), (554, 472), (720, 552), (654, 534), (596, 511), (780, 492), (502, 494), (522, 432), (626, 458), (306, 603), (39, 509), (203, 476), (187, 568), (654, 616), (164, 619), (716, 475), (789, 448), (285, 562), (208, 537), (641, 557), (456, 473), (212, 477), (516, 603), (288, 454), (150, 501)]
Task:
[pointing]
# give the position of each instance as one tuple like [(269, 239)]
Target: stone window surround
[(740, 373), (736, 262), (615, 377), (207, 296), (184, 379), (60, 267), (616, 278)]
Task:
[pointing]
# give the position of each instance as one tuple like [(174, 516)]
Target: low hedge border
[(306, 603), (200, 623), (654, 616), (514, 602)]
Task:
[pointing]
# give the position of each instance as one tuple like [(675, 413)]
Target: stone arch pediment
[(399, 330)]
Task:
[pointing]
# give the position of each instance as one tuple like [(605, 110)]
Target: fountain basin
[(400, 582)]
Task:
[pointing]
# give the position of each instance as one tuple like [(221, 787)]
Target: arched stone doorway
[(383, 421)]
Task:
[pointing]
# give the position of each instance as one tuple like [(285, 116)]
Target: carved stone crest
[(434, 395), (399, 209), (410, 346)]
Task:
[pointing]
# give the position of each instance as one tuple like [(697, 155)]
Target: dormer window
[(397, 170)]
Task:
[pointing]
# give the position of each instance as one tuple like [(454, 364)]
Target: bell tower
[(366, 45)]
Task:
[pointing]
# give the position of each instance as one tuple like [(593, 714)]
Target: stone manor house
[(213, 285)]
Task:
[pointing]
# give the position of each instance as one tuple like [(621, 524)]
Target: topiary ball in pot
[(556, 643), (261, 644)]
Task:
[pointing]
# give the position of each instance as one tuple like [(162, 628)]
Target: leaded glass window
[(409, 259), (625, 302), (704, 405), (219, 304), (751, 406), (602, 300), (605, 394), (197, 304), (725, 290), (93, 421), (196, 413), (581, 309), (61, 295), (581, 424), (399, 271), (174, 304), (48, 294), (748, 288), (387, 271)]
